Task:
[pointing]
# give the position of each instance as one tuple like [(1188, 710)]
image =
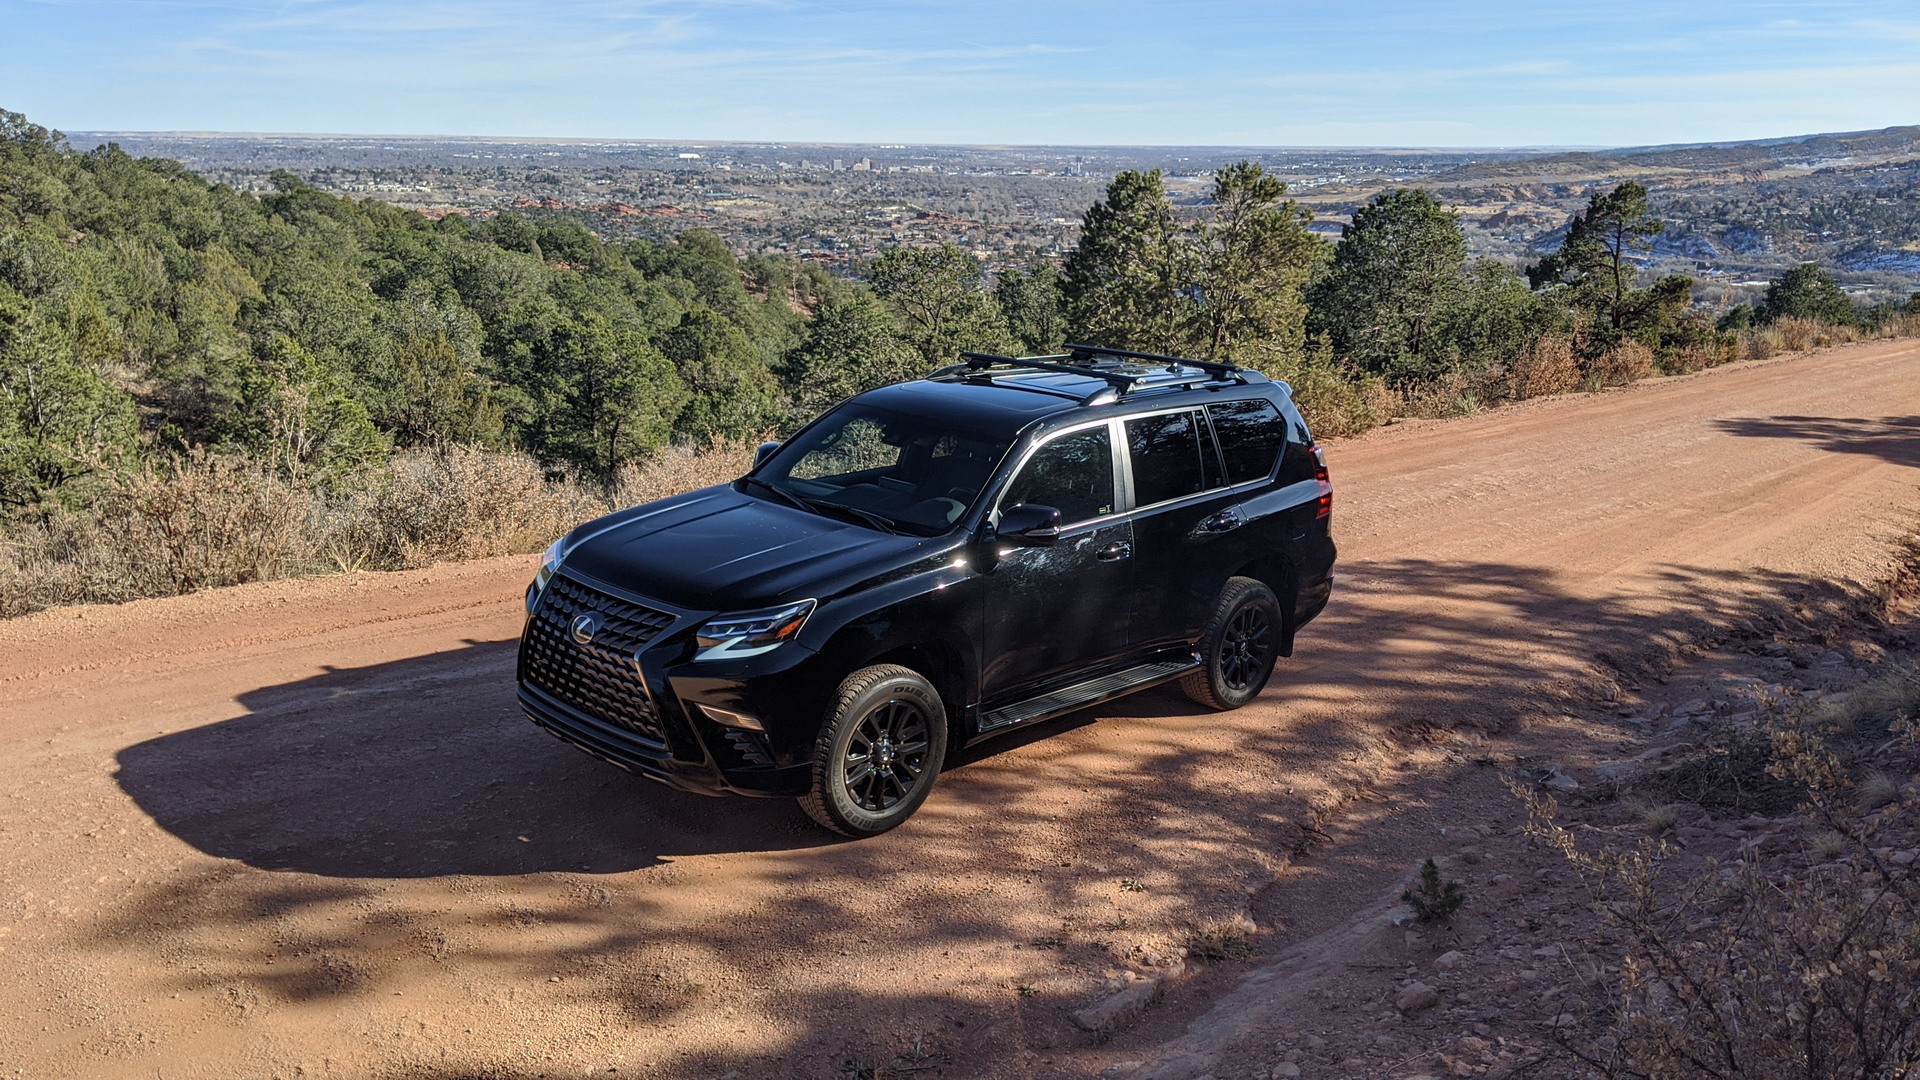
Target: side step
[(1081, 695)]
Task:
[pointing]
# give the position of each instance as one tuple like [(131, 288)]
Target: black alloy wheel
[(1239, 649), (887, 756), (1246, 649), (878, 754)]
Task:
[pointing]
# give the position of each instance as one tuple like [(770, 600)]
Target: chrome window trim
[(1121, 495)]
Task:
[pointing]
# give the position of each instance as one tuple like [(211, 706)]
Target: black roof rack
[(975, 366), (1085, 352)]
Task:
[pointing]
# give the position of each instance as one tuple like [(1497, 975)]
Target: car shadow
[(1894, 439), (426, 767), (423, 767)]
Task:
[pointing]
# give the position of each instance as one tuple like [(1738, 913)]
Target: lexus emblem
[(585, 626)]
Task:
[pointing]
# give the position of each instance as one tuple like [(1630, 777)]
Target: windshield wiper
[(873, 519), (791, 499), (822, 506)]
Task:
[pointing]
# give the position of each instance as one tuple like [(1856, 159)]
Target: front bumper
[(641, 757), (631, 694)]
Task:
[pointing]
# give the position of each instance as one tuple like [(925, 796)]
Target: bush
[(1548, 366), (1627, 362), (1757, 970)]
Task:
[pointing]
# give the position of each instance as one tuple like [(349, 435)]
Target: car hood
[(718, 549)]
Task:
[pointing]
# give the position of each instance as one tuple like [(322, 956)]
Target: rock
[(1117, 1010), (1903, 858), (1499, 879), (1121, 1068), (1470, 856), (1415, 997), (1558, 780), (1315, 1042), (1400, 915), (1286, 1069), (1616, 772), (1449, 960)]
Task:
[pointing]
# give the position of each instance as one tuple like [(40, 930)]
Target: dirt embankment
[(299, 829)]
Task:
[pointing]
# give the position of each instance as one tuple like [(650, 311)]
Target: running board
[(1081, 695)]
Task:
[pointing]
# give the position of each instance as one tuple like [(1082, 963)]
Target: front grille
[(601, 679)]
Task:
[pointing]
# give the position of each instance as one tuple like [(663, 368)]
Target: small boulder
[(1117, 1010), (1449, 960), (1415, 997)]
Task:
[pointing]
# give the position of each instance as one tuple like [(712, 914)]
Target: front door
[(1052, 612)]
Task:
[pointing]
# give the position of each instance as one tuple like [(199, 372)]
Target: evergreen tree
[(1807, 291), (1254, 258), (850, 346), (938, 295), (1131, 281), (1396, 278), (1595, 261), (1034, 307)]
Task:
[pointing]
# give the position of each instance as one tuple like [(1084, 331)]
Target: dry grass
[(1222, 939), (204, 521)]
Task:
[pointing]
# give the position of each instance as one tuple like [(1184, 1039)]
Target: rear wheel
[(1237, 653), (877, 756)]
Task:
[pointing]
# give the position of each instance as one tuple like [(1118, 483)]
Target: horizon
[(1388, 74)]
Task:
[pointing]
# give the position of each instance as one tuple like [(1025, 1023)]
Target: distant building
[(689, 157)]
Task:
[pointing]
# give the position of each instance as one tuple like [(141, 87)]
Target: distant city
[(1738, 212)]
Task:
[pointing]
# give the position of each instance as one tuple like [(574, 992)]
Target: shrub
[(456, 503), (1548, 366), (1627, 362), (1431, 899), (1757, 970)]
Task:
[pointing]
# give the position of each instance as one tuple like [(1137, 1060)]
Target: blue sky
[(1215, 72)]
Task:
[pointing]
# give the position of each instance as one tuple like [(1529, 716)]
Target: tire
[(895, 710), (1239, 649)]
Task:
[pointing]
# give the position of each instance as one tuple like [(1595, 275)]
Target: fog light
[(729, 718)]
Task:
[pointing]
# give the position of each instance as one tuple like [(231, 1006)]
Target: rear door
[(1053, 612), (1183, 524)]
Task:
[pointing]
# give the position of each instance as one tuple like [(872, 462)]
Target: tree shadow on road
[(361, 807), (1891, 438)]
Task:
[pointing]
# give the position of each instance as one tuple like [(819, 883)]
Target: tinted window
[(1171, 458), (1073, 473), (1251, 434), (917, 472)]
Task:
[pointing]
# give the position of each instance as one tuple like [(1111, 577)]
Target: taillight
[(1325, 505)]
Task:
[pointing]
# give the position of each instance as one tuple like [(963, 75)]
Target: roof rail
[(975, 365)]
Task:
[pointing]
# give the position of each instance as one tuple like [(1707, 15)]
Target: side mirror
[(1029, 525), (764, 452)]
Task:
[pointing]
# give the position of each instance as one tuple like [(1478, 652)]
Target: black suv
[(933, 563)]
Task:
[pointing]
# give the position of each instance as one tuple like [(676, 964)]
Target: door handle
[(1224, 521), (1114, 552)]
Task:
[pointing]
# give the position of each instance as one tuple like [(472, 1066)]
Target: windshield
[(914, 473)]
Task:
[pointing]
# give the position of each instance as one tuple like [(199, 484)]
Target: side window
[(1073, 473), (1172, 457), (1251, 434)]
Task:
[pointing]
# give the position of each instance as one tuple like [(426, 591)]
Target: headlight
[(750, 633), (549, 562)]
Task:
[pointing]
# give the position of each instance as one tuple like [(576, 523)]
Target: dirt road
[(300, 829)]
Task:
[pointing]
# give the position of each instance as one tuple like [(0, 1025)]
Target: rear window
[(1251, 434), (1170, 457)]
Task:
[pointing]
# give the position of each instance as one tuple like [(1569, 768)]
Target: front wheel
[(1239, 649), (878, 754)]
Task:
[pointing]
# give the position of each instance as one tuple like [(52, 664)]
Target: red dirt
[(299, 828)]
